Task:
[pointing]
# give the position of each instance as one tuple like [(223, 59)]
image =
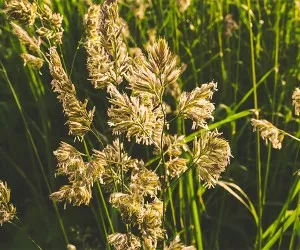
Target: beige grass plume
[(32, 61), (124, 241), (107, 60), (296, 101), (52, 25), (196, 105), (21, 10), (79, 119), (268, 132), (32, 43), (211, 155), (155, 73), (7, 210), (177, 245), (134, 117)]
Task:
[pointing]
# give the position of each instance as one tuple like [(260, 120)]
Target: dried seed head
[(144, 182), (177, 245), (154, 74), (197, 106), (268, 132), (133, 117), (107, 61), (32, 61), (173, 145), (151, 226), (296, 101), (70, 162), (52, 25), (183, 5), (79, 119), (115, 160), (32, 43), (176, 166), (230, 25), (129, 205), (211, 155), (139, 7), (7, 210), (78, 193), (21, 10), (124, 241)]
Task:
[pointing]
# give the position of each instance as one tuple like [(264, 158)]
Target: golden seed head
[(177, 245), (77, 193), (21, 10), (133, 117), (7, 210), (144, 182), (211, 155), (196, 105), (129, 205), (176, 166), (230, 25), (32, 61), (32, 43), (124, 241), (153, 74), (108, 59), (268, 132), (183, 5), (296, 101), (79, 119)]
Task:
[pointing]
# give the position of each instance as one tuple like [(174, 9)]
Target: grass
[(257, 69)]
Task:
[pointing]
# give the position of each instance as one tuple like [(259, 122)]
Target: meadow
[(136, 123)]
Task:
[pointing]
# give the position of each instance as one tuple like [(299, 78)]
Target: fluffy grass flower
[(116, 162), (296, 101), (211, 155), (176, 166), (177, 245), (32, 61), (21, 10), (31, 43), (108, 59), (268, 132), (155, 73), (129, 205), (70, 162), (133, 117), (79, 119), (196, 105), (52, 25), (124, 241), (144, 182), (183, 5), (151, 226), (76, 194), (7, 210)]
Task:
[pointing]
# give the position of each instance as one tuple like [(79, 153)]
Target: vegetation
[(149, 124)]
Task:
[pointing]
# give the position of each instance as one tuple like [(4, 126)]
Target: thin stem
[(23, 231), (258, 161)]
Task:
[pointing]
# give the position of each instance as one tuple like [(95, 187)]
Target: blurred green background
[(213, 39)]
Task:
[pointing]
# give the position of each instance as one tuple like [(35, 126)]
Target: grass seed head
[(296, 101), (268, 132), (21, 10), (32, 61), (7, 210), (211, 155), (124, 241), (196, 105)]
